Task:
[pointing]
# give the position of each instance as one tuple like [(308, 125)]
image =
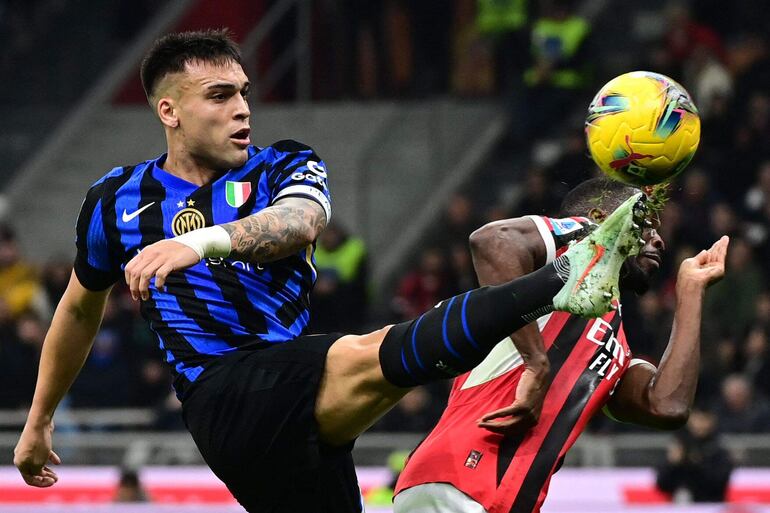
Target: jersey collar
[(173, 181), (182, 185)]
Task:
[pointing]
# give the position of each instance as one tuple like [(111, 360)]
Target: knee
[(356, 355), (353, 363)]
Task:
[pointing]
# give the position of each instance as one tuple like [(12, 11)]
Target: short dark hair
[(601, 192), (172, 52)]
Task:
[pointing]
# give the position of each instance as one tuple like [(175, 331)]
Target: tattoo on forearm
[(276, 232)]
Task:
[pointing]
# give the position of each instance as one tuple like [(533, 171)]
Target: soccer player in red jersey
[(480, 457)]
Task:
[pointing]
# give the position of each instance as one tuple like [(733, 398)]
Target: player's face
[(638, 271), (213, 114)]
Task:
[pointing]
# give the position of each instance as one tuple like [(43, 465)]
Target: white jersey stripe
[(547, 236), (306, 190)]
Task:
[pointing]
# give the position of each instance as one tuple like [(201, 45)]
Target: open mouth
[(241, 137)]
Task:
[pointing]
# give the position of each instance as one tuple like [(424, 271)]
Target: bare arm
[(65, 349), (505, 250), (662, 398), (275, 232), (502, 251)]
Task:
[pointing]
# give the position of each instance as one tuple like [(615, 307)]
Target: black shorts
[(251, 414)]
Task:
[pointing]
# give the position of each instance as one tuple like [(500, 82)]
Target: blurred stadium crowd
[(543, 60)]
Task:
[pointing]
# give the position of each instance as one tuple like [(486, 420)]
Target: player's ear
[(166, 110), (597, 215)]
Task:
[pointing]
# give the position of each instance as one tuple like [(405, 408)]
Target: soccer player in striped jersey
[(481, 457), (216, 239)]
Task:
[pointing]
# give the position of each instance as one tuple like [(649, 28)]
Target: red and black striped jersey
[(511, 474)]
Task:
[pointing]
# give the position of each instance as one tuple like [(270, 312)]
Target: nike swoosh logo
[(128, 217)]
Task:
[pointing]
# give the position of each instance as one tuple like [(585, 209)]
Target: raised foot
[(592, 289)]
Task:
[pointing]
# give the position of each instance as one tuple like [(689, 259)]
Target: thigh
[(353, 393), (252, 417)]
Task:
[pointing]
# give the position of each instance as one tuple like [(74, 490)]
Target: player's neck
[(188, 169)]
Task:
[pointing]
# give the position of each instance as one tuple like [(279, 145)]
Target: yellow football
[(642, 128)]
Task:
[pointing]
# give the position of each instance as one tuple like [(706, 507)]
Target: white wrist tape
[(210, 242)]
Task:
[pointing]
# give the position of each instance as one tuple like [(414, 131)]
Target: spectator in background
[(572, 167), (750, 148), (763, 242), (168, 414), (720, 360), (339, 298), (461, 269), (557, 79), (762, 311), (649, 327), (697, 467), (398, 71), (671, 225), (695, 199), (750, 63), (154, 382), (19, 349), (362, 57), (129, 487), (686, 36), (19, 285), (709, 77), (756, 365), (55, 276), (729, 307), (739, 410), (424, 287), (431, 36), (504, 23), (758, 195), (106, 375), (457, 223), (717, 141), (723, 219), (539, 195), (473, 67)]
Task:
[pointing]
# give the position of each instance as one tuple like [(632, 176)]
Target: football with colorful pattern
[(642, 128)]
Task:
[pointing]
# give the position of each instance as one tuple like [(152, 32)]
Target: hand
[(703, 269), (32, 453), (525, 410), (157, 260)]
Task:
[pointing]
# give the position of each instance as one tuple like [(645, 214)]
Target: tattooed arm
[(275, 232)]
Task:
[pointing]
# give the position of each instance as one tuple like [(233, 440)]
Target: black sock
[(457, 334)]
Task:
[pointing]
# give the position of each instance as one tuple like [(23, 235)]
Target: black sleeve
[(95, 266), (297, 171)]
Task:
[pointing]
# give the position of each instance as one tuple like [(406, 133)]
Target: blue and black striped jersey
[(219, 305)]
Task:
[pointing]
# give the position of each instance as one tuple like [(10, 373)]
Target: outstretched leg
[(366, 375)]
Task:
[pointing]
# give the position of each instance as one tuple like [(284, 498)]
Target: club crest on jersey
[(187, 220), (237, 193), (473, 459)]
